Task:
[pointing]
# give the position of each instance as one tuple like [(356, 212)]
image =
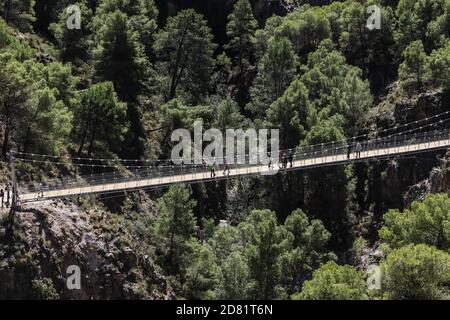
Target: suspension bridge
[(146, 174)]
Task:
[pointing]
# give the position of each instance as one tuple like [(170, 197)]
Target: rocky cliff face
[(438, 181), (398, 182), (50, 236)]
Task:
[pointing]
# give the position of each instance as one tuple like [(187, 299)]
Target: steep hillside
[(48, 237)]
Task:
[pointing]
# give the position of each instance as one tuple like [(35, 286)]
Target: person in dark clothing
[(7, 194), (349, 151), (212, 169), (204, 163), (41, 189), (291, 158), (280, 160), (227, 167), (2, 195), (358, 150)]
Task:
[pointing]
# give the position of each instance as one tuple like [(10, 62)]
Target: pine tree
[(307, 249), (185, 50), (241, 29), (289, 113), (266, 243), (427, 221), (75, 44), (175, 226), (334, 282), (18, 12), (275, 72), (142, 14), (100, 120), (416, 272), (415, 70), (119, 56), (15, 90)]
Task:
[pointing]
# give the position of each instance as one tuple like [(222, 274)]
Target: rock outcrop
[(438, 181), (48, 237)]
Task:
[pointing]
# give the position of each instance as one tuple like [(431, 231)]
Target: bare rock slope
[(50, 236)]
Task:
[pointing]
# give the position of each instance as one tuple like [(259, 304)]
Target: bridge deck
[(204, 176)]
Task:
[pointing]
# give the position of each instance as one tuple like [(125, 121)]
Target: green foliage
[(241, 28), (307, 249), (175, 226), (14, 94), (49, 125), (175, 114), (414, 72), (309, 73), (142, 14), (101, 120), (289, 113), (305, 28), (224, 241), (43, 289), (5, 35), (425, 222), (75, 45), (275, 72), (201, 273), (227, 115), (440, 66), (371, 50), (34, 104), (119, 56), (266, 243), (357, 248), (334, 282), (260, 259), (59, 76), (439, 30), (18, 12), (185, 52), (416, 272), (335, 89), (235, 282), (422, 20)]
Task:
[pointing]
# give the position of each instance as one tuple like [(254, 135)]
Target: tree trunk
[(174, 81), (7, 130), (91, 143)]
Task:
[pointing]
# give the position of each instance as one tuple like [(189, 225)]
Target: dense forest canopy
[(136, 70)]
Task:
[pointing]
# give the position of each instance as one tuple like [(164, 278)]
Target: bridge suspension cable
[(163, 163), (147, 177), (157, 161)]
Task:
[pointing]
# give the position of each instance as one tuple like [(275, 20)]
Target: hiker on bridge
[(358, 150), (269, 165), (282, 158), (41, 189), (227, 167), (2, 195), (7, 194), (204, 165), (291, 158), (212, 169), (349, 150)]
